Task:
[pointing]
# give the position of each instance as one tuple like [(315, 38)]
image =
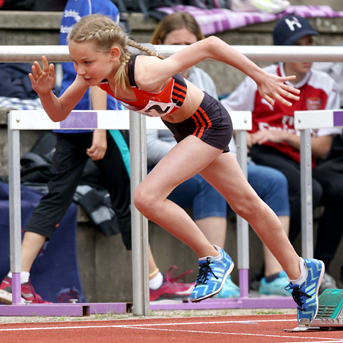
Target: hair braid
[(142, 48), (105, 34)]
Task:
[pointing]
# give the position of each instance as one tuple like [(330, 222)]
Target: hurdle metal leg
[(242, 225), (306, 194), (140, 242), (15, 211)]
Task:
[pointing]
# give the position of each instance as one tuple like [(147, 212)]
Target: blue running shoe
[(212, 275), (229, 290), (275, 287), (306, 294)]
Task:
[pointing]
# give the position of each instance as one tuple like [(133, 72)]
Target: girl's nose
[(79, 70)]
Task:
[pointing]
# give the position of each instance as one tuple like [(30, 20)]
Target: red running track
[(245, 329)]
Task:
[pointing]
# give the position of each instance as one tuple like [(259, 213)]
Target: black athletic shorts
[(211, 123)]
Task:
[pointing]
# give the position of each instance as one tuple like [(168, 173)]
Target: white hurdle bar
[(119, 120), (305, 121)]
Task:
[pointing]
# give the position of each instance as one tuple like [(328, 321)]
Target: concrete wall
[(105, 265)]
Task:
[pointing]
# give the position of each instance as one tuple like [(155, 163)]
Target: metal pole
[(15, 209), (306, 194), (267, 53), (242, 225), (140, 244)]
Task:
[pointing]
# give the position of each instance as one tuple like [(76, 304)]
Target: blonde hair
[(105, 33), (176, 21)]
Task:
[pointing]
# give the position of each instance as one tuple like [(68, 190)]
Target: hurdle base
[(238, 303), (61, 309), (330, 312)]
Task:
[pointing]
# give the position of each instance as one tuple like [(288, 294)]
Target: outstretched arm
[(271, 87), (98, 148), (43, 81)]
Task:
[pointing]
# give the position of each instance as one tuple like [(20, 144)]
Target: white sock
[(218, 257), (156, 281), (24, 276), (303, 275)]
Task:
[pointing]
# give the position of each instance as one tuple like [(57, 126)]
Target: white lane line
[(321, 339), (146, 324)]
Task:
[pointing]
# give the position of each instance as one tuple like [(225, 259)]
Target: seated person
[(73, 149), (209, 207), (274, 142)]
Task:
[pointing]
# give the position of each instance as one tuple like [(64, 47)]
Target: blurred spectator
[(209, 207), (274, 142)]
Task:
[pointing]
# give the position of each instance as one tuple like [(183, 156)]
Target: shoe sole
[(305, 321), (319, 283), (218, 290), (6, 298)]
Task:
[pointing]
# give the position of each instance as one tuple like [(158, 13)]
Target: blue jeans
[(197, 194), (271, 186)]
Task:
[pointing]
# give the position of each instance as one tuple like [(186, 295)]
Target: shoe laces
[(37, 297), (169, 277), (205, 272), (298, 295)]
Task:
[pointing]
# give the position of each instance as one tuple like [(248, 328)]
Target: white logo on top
[(292, 23)]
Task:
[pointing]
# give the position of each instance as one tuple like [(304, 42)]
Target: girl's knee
[(246, 206), (140, 198), (144, 200)]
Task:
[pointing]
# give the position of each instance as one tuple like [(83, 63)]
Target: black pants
[(68, 163), (327, 191)]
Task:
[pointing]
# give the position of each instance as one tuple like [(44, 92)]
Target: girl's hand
[(273, 88), (43, 80)]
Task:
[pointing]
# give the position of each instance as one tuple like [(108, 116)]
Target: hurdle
[(85, 120), (141, 306), (305, 121), (330, 310)]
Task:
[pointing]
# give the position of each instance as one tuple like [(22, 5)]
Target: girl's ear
[(115, 54)]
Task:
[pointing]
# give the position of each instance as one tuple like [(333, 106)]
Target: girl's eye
[(87, 62)]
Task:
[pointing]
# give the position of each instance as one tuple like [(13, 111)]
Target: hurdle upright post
[(306, 194), (139, 224), (242, 122), (14, 210), (242, 225)]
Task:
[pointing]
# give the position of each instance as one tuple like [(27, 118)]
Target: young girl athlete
[(151, 85)]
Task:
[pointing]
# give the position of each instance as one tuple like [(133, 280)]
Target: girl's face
[(89, 63), (180, 37)]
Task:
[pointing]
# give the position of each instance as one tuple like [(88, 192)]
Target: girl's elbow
[(212, 43)]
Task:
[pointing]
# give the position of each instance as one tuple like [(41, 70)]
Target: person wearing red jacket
[(274, 142)]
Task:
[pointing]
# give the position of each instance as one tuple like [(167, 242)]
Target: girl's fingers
[(32, 79), (283, 100), (45, 65), (51, 69), (269, 99)]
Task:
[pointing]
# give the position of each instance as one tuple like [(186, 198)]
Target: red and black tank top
[(168, 100)]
